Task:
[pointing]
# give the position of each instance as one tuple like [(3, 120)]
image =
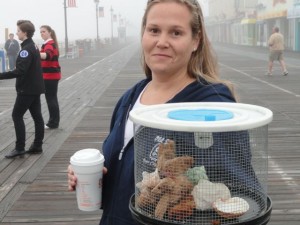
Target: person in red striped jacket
[(51, 73)]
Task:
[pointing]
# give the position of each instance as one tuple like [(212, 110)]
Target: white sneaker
[(49, 128), (285, 73), (268, 74)]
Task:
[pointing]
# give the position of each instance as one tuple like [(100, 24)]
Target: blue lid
[(200, 115)]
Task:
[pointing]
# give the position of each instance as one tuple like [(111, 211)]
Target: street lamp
[(66, 29), (97, 16), (112, 23)]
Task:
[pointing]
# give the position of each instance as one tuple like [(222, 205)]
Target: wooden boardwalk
[(34, 190)]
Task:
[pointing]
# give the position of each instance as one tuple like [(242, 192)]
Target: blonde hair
[(203, 61)]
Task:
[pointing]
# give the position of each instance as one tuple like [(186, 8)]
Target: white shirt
[(129, 129)]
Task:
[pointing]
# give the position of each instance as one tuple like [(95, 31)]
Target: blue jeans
[(22, 104)]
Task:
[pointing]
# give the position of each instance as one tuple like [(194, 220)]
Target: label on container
[(203, 140)]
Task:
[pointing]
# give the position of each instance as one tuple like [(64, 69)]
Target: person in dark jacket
[(29, 87), (12, 48), (51, 74), (180, 66)]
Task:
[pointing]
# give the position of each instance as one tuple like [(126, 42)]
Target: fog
[(81, 21)]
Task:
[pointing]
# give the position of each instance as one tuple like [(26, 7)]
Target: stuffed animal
[(172, 185), (165, 152), (146, 198), (183, 209), (175, 189)]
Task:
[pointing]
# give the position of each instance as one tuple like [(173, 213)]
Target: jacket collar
[(27, 41)]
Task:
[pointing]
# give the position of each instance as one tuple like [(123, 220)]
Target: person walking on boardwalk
[(29, 87), (51, 73), (276, 47), (180, 66), (12, 48)]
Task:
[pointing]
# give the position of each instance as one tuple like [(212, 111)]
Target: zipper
[(123, 149), (126, 118), (121, 153)]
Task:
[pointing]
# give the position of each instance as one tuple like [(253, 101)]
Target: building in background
[(250, 22), (233, 21), (269, 14), (293, 15)]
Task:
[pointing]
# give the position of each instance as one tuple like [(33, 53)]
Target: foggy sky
[(81, 21)]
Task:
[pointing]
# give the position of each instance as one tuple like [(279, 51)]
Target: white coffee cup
[(88, 168)]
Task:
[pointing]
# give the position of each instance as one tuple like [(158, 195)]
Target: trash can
[(201, 164), (2, 61)]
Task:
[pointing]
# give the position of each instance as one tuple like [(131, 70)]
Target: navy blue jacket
[(28, 70), (119, 182)]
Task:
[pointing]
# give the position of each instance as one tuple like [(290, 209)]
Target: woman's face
[(45, 34), (21, 35), (167, 40)]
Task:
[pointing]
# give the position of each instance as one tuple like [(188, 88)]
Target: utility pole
[(97, 16), (66, 29), (112, 23)]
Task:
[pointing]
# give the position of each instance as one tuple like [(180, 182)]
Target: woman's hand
[(72, 179)]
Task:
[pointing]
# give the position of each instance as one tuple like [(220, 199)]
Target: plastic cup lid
[(87, 157)]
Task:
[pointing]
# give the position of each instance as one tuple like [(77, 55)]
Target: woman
[(51, 73), (179, 67), (29, 87)]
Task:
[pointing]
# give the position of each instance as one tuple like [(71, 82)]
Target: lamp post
[(112, 23), (66, 29), (97, 16)]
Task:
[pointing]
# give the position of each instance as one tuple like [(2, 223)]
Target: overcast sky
[(81, 20)]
